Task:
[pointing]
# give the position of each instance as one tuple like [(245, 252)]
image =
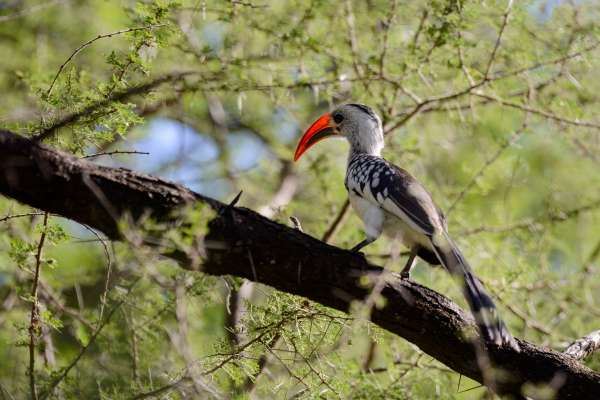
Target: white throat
[(367, 140)]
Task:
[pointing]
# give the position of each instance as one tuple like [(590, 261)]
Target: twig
[(559, 60), (108, 270), (52, 298), (111, 153), (89, 42), (543, 113), (241, 348), (250, 381), (330, 232), (484, 167), (83, 350), (411, 364), (530, 223), (386, 35), (163, 389), (119, 96), (248, 4), (408, 115), (21, 215), (417, 34), (34, 321), (436, 99), (498, 40)]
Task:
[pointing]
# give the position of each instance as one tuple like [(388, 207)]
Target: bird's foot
[(405, 275), (359, 253), (358, 247)]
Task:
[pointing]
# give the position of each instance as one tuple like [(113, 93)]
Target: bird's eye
[(338, 118)]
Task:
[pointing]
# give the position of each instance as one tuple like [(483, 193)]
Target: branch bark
[(256, 248)]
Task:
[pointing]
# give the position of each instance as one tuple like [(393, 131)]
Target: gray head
[(356, 122), (361, 126)]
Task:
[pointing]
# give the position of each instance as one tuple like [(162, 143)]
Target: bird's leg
[(405, 274), (362, 244)]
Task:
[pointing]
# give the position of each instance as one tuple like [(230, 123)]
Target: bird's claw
[(358, 253), (405, 275)]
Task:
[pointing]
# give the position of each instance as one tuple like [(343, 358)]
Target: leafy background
[(492, 105)]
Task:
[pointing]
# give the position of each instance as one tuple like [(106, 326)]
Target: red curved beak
[(321, 129)]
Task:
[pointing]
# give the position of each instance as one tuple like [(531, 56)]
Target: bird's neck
[(371, 145)]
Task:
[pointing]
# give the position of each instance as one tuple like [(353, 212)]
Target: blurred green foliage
[(493, 108)]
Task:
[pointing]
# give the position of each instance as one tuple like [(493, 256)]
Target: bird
[(390, 201)]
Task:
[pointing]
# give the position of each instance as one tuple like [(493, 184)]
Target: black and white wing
[(394, 190)]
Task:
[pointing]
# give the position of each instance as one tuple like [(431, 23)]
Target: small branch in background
[(104, 295), (75, 116), (83, 350), (332, 230), (49, 349), (248, 4), (286, 190), (581, 348), (89, 42), (498, 40), (34, 323), (386, 33), (112, 153), (417, 35), (534, 223), (133, 340), (8, 217), (163, 390), (485, 166), (180, 339), (543, 113), (250, 382), (368, 361)]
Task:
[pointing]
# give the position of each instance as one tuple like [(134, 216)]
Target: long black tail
[(483, 308)]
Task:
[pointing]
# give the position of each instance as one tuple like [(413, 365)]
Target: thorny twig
[(89, 42), (485, 166), (498, 40), (84, 349), (111, 153), (337, 221), (533, 223), (32, 214), (34, 324)]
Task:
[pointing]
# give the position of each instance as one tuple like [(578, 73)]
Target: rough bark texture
[(261, 250)]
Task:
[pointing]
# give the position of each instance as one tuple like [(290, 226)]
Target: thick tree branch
[(256, 248)]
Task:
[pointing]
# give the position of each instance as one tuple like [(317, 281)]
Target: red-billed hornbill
[(389, 200)]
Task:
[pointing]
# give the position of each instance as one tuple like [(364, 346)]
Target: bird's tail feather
[(483, 308)]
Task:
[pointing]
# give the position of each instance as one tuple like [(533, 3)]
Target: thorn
[(235, 199), (296, 223), (227, 209)]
